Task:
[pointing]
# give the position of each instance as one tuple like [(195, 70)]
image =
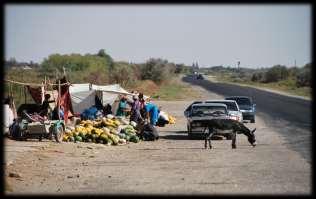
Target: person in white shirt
[(8, 115)]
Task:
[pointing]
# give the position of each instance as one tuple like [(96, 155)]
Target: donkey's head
[(252, 138)]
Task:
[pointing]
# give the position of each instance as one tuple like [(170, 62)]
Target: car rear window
[(207, 110), (241, 101), (231, 106)]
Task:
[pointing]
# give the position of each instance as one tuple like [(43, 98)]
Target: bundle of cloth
[(91, 113), (164, 118)]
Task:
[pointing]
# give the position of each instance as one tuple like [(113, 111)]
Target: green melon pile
[(102, 131)]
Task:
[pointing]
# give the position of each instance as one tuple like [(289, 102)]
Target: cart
[(28, 127)]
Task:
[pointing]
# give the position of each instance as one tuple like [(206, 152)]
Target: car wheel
[(59, 134), (252, 120), (190, 133)]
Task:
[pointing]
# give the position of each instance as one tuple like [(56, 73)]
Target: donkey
[(228, 124)]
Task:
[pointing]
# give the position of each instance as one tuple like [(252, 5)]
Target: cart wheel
[(59, 134), (40, 138)]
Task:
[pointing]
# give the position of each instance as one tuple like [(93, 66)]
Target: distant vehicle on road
[(232, 107), (198, 114), (200, 76), (246, 106)]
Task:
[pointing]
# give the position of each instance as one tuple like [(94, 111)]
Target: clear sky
[(211, 34)]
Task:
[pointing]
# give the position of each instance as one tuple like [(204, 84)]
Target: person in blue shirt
[(151, 112), (122, 107), (55, 113)]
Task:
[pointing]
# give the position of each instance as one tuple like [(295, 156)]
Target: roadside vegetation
[(155, 77), (291, 80)]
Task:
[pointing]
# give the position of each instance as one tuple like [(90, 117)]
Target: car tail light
[(196, 124)]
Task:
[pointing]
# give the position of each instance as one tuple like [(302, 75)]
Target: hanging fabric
[(64, 99), (36, 93)]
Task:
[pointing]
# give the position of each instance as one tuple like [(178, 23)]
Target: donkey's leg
[(206, 135), (210, 136), (234, 139)]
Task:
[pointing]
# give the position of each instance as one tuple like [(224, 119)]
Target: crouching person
[(147, 129)]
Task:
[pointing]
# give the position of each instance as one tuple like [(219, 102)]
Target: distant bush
[(157, 70), (258, 77), (181, 68), (303, 77), (276, 73), (123, 73)]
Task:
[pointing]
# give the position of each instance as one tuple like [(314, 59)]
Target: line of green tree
[(97, 68), (301, 76), (297, 76), (100, 68)]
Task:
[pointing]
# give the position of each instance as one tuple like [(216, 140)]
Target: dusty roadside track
[(172, 165)]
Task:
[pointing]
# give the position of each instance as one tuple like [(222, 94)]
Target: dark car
[(246, 106)]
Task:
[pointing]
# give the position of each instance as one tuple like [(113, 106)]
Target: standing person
[(142, 105), (122, 107), (55, 115), (135, 111), (45, 106), (8, 115), (107, 110), (151, 112)]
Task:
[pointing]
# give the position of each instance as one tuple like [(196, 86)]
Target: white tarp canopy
[(83, 95), (114, 88), (82, 100), (75, 88)]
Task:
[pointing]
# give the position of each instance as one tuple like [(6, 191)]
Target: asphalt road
[(291, 116)]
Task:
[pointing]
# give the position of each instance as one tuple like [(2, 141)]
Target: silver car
[(232, 107)]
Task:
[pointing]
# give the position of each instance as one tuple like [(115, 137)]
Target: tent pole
[(10, 90), (24, 94), (12, 103)]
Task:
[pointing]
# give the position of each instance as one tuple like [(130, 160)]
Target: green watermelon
[(78, 138), (134, 139), (83, 137), (122, 136), (110, 142), (129, 127), (127, 137)]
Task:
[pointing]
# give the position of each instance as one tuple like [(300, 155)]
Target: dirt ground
[(173, 165)]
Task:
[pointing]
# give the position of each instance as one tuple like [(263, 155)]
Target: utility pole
[(238, 64)]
